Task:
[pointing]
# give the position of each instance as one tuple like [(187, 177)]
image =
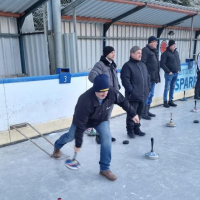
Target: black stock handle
[(74, 156), (152, 141)]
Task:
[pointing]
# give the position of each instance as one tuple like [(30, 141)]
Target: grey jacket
[(105, 67)]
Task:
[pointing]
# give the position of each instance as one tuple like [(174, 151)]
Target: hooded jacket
[(105, 67)]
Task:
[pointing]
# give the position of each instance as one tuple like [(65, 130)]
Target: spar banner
[(186, 79)]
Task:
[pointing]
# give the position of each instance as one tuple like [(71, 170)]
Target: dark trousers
[(138, 106), (197, 85)]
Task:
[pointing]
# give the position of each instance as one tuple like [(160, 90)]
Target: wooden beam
[(100, 20), (165, 8), (125, 2), (182, 28), (135, 24), (91, 19), (8, 14)]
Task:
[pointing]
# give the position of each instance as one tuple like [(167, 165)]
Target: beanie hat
[(101, 83), (171, 42), (152, 39), (107, 50), (134, 49)]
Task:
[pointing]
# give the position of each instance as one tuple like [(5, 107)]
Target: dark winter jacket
[(170, 61), (135, 79), (89, 113), (150, 59), (105, 67)]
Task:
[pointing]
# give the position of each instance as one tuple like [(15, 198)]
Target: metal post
[(190, 52), (75, 32), (21, 46), (49, 15), (56, 8)]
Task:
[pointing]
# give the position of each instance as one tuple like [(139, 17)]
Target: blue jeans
[(105, 136), (151, 94), (170, 82)]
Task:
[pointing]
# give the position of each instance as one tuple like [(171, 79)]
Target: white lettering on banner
[(186, 79)]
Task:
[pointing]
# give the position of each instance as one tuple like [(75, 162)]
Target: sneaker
[(90, 132), (131, 134), (166, 105), (139, 132), (109, 175), (56, 153), (171, 103)]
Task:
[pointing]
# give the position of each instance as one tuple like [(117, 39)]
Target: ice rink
[(27, 173)]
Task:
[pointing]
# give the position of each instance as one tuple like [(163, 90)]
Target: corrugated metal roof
[(153, 16), (101, 9), (106, 9), (17, 6), (171, 5), (187, 23)]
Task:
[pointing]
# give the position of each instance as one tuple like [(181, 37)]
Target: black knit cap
[(101, 83), (152, 39), (107, 50), (171, 42)]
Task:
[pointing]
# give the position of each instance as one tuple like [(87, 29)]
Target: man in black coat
[(92, 110), (170, 63), (135, 79), (150, 59)]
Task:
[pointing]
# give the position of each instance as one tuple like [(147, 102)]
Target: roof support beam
[(20, 22), (29, 11), (107, 25), (160, 30), (197, 33)]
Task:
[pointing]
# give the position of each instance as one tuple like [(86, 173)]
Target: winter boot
[(171, 103), (56, 153), (139, 132), (145, 113), (98, 141), (131, 134), (166, 105), (197, 96), (150, 114)]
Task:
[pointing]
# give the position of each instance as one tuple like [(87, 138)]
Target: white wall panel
[(41, 101), (119, 37), (8, 25), (9, 56), (183, 46), (3, 115), (36, 55), (9, 48)]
